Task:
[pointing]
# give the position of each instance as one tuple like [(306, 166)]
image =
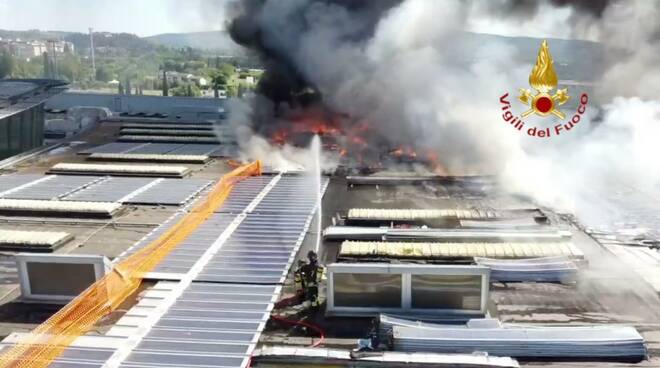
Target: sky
[(141, 17)]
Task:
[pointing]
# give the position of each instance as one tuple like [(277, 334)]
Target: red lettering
[(557, 129), (583, 99)]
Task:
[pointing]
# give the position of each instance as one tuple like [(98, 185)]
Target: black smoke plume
[(253, 27)]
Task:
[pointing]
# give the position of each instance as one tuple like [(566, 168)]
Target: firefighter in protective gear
[(307, 278)]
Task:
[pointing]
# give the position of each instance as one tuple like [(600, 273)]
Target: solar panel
[(153, 235), (195, 149), (79, 357), (56, 187), (225, 150), (188, 252), (114, 147), (155, 148), (111, 190), (263, 247), (218, 323), (243, 193), (171, 191), (10, 182), (292, 194), (209, 325)]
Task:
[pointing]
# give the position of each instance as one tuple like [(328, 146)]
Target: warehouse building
[(22, 115), (400, 253)]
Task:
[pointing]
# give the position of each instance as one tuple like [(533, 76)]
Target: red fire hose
[(300, 323)]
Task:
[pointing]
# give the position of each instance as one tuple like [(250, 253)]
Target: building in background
[(28, 49), (22, 115)]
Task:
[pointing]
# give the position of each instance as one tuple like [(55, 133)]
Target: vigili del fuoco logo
[(543, 101)]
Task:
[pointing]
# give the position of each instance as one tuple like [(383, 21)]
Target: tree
[(71, 68), (103, 74), (218, 82), (165, 87), (6, 64), (186, 90)]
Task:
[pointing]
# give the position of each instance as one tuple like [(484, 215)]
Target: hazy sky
[(142, 17)]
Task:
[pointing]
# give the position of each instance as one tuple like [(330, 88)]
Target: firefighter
[(307, 278)]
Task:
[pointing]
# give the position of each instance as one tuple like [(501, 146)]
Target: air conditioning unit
[(58, 278)]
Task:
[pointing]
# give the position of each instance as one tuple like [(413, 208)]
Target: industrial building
[(431, 271), (22, 116)]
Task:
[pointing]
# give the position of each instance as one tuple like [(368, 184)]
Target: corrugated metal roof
[(457, 250)]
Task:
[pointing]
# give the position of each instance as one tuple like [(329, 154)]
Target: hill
[(211, 40)]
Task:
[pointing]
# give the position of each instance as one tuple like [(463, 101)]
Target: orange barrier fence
[(48, 340)]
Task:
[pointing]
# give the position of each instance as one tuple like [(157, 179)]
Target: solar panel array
[(114, 147), (113, 189), (78, 357), (259, 251), (243, 193), (10, 182), (209, 325), (170, 191), (136, 190), (189, 251), (155, 148), (245, 252), (56, 187), (213, 150)]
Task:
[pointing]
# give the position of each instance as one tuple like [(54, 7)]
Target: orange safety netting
[(46, 342)]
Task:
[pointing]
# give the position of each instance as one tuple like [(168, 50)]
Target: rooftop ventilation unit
[(193, 159), (120, 170), (367, 289), (58, 277)]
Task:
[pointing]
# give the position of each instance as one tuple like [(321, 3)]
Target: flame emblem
[(543, 79)]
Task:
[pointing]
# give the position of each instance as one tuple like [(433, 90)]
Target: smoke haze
[(409, 69)]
